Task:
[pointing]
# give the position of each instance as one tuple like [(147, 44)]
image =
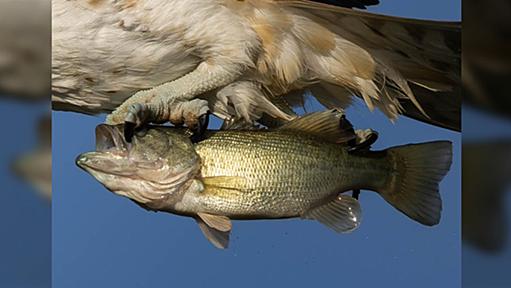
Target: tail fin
[(413, 190)]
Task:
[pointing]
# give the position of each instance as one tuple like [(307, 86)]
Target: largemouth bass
[(298, 170)]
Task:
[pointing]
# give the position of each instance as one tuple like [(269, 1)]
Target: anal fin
[(342, 215)]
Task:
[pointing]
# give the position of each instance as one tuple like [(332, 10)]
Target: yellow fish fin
[(343, 214), (330, 125)]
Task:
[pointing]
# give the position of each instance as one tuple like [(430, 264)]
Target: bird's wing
[(427, 54)]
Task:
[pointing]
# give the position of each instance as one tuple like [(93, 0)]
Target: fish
[(299, 170)]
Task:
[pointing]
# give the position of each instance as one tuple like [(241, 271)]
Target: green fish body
[(280, 173), (301, 169)]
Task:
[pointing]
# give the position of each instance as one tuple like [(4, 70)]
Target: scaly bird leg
[(173, 101)]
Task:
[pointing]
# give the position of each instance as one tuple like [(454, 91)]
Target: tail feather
[(413, 189)]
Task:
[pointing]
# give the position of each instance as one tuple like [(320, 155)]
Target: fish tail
[(413, 187)]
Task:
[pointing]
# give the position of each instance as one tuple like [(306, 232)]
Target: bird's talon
[(130, 118), (129, 131), (202, 126), (363, 142)]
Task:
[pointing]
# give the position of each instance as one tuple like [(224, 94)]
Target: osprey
[(254, 60)]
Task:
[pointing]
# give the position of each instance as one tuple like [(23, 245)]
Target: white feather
[(104, 51)]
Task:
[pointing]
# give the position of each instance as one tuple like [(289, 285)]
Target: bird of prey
[(175, 60)]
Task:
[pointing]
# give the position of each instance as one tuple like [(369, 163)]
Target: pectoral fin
[(217, 222), (220, 239), (224, 182), (342, 214)]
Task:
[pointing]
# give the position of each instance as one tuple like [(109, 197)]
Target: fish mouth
[(110, 138), (111, 155)]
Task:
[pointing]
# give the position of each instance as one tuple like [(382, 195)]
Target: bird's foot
[(194, 114), (363, 141)]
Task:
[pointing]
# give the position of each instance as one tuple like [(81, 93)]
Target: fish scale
[(285, 173)]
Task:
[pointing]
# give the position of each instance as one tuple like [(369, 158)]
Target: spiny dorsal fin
[(331, 125), (218, 238), (221, 223), (343, 214)]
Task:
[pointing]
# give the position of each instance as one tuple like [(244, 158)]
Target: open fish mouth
[(110, 138), (111, 155), (137, 170)]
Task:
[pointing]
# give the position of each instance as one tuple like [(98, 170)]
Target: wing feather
[(417, 62)]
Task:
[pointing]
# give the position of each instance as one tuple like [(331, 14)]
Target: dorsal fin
[(330, 125)]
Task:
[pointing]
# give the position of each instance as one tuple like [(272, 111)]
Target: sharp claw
[(129, 131), (203, 123), (131, 117), (363, 146), (356, 193), (202, 126), (358, 148), (133, 120)]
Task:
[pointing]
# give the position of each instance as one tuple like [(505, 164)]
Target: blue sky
[(102, 240), (25, 216), (482, 269)]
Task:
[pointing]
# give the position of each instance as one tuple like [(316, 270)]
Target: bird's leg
[(356, 193), (173, 101)]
